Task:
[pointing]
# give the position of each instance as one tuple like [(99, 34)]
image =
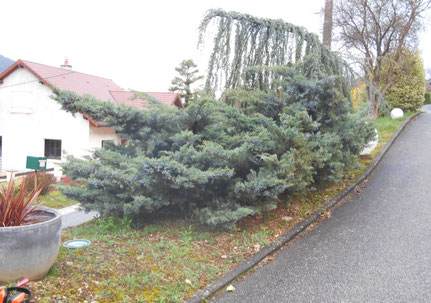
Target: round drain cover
[(74, 244)]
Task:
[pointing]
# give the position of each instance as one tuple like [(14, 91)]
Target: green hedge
[(213, 162), (408, 91), (427, 98)]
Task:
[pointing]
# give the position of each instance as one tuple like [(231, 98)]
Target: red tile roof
[(65, 79), (80, 83), (126, 97)]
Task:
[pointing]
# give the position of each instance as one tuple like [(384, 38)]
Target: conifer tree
[(188, 75), (243, 43), (213, 162)]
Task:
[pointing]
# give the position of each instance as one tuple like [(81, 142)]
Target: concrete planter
[(29, 251)]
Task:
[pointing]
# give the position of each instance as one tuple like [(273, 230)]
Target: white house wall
[(99, 134), (28, 116)]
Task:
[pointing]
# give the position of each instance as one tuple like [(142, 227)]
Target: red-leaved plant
[(14, 208)]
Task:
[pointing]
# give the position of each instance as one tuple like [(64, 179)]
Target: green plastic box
[(37, 163)]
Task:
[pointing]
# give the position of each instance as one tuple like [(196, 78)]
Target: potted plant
[(30, 234)]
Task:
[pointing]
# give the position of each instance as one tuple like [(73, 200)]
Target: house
[(127, 98), (33, 124)]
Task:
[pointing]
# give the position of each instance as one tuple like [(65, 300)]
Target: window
[(53, 149), (106, 141)]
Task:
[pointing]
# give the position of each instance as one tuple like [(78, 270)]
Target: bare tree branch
[(377, 29)]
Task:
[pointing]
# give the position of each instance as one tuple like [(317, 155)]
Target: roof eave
[(10, 69), (91, 120), (20, 63)]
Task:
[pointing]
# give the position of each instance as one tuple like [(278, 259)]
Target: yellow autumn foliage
[(358, 95)]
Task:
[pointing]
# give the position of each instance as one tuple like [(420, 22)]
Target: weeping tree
[(244, 47)]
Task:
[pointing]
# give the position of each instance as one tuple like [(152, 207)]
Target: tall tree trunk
[(327, 23), (374, 99)]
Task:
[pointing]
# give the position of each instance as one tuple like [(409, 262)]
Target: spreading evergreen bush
[(217, 162)]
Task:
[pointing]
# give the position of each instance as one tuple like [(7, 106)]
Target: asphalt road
[(376, 247)]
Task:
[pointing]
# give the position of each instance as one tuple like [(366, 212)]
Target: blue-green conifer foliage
[(216, 162)]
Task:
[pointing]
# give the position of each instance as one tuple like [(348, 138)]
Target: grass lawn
[(169, 260), (386, 127), (55, 199)]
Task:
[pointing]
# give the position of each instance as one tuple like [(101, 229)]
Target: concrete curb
[(248, 264)]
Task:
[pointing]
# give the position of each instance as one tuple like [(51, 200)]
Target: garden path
[(73, 216)]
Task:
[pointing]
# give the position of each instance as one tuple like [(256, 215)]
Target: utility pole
[(327, 23)]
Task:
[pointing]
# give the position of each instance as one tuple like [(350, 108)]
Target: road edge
[(254, 260)]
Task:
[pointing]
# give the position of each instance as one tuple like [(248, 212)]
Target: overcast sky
[(136, 43)]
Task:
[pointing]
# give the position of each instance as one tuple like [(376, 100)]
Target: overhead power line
[(37, 80)]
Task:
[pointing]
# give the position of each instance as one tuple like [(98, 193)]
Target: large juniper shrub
[(217, 162)]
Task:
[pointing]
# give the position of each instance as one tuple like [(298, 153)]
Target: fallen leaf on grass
[(230, 288), (287, 218)]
